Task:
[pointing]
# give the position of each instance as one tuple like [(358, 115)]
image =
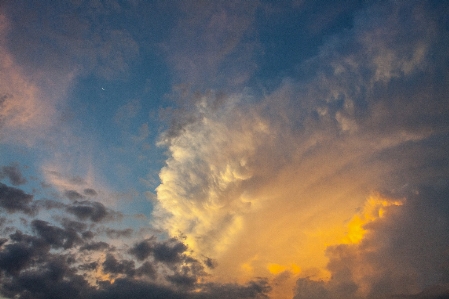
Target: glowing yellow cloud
[(265, 201), (374, 209), (276, 268)]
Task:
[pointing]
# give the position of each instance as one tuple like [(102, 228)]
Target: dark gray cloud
[(91, 210), (399, 256), (127, 288), (170, 251), (97, 246), (135, 289), (73, 225), (88, 235), (14, 257), (54, 278), (434, 292), (88, 267), (90, 192), (146, 269), (48, 204), (143, 249), (13, 173), (210, 263), (182, 279), (20, 253), (15, 200), (73, 195), (113, 266), (258, 288), (55, 236), (118, 233), (30, 269)]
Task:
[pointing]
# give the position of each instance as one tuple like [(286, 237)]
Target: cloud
[(76, 187), (274, 181), (402, 253), (171, 251), (12, 172), (143, 249), (49, 258), (333, 185), (23, 107), (15, 200), (55, 236), (101, 246), (91, 210), (82, 43), (51, 261), (54, 279), (30, 97), (212, 44), (113, 266), (258, 288), (73, 195), (119, 233), (90, 192)]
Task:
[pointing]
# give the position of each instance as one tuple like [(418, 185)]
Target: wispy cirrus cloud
[(212, 44)]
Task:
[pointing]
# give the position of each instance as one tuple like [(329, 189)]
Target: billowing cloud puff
[(15, 200), (12, 172)]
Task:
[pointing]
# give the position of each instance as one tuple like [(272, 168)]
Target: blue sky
[(224, 149)]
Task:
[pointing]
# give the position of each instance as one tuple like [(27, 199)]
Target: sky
[(224, 149)]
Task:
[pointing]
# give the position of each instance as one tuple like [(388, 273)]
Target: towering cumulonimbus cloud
[(203, 180), (268, 187)]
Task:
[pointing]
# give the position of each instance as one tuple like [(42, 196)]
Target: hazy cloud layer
[(213, 44)]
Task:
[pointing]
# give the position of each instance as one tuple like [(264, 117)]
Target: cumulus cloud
[(48, 258), (93, 211), (13, 173), (269, 186), (15, 200)]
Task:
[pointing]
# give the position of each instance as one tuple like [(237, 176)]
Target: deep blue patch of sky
[(295, 35)]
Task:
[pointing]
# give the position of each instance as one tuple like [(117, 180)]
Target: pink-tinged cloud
[(22, 108)]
